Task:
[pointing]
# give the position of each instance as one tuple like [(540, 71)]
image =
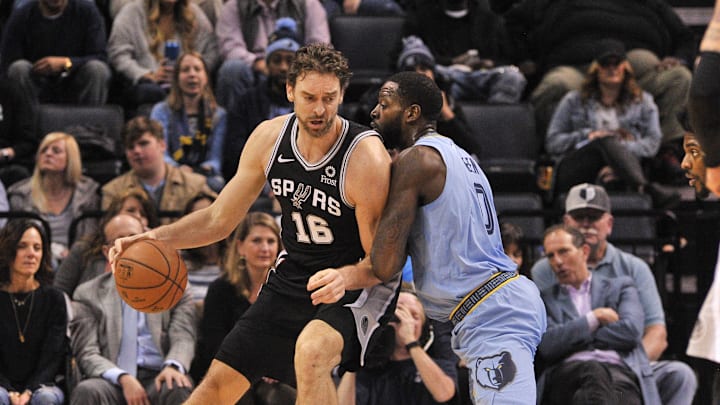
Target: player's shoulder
[(267, 132)]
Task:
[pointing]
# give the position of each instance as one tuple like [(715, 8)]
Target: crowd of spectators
[(195, 78)]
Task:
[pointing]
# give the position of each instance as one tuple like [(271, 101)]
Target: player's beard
[(317, 133), (391, 134)]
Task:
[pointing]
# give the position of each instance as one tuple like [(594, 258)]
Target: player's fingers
[(317, 280)]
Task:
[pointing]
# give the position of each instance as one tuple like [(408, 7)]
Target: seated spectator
[(368, 8), (18, 141), (251, 253), (55, 51), (203, 263), (416, 56), (138, 204), (471, 47), (88, 257), (593, 340), (557, 40), (587, 208), (168, 187), (33, 327), (136, 47), (243, 28), (265, 100), (129, 356), (600, 132), (417, 365), (512, 236), (193, 123), (58, 191)]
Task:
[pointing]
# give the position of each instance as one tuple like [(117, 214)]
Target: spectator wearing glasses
[(587, 208), (601, 132)]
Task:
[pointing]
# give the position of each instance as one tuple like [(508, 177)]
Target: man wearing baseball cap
[(587, 208)]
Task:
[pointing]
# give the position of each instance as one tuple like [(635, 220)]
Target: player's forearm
[(199, 228), (359, 275), (711, 39), (440, 386)]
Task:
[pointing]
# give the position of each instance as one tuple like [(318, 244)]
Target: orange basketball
[(150, 276)]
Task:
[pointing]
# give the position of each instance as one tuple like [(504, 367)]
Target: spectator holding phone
[(416, 364), (136, 47)]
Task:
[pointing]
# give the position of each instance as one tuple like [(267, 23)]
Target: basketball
[(150, 276)]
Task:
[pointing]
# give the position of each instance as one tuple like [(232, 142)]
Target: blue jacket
[(568, 332), (574, 119), (176, 124)]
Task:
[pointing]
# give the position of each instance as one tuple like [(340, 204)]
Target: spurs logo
[(496, 371), (301, 194)]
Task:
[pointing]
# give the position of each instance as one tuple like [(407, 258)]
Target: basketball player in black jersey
[(331, 177)]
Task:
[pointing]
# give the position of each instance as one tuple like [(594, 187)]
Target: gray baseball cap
[(587, 195)]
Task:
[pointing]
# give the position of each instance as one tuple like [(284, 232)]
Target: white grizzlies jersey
[(455, 241)]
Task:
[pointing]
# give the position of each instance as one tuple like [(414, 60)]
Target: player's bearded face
[(387, 116), (316, 97)]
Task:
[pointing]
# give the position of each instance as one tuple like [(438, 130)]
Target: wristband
[(412, 344)]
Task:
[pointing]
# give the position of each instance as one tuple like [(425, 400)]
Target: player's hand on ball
[(328, 286), (121, 244)]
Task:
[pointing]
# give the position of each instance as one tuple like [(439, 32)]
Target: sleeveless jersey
[(319, 228), (455, 240)]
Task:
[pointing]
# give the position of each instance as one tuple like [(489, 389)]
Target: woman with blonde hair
[(251, 252), (600, 133), (193, 123), (57, 190), (137, 44)]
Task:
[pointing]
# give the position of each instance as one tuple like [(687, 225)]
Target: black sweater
[(39, 359)]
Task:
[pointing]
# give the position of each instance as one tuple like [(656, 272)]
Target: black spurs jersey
[(319, 229)]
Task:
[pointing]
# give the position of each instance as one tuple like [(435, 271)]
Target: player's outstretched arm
[(217, 221)]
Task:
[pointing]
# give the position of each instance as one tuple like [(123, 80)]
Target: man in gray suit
[(595, 325), (127, 356)]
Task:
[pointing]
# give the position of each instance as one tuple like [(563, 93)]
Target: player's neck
[(427, 129), (313, 148)]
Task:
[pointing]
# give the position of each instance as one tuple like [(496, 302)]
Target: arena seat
[(509, 146), (370, 44), (98, 131)]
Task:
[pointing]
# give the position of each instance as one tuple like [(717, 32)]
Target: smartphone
[(172, 50)]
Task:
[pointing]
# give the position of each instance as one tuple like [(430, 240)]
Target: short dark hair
[(415, 88), (510, 233), (10, 236), (138, 126), (577, 237), (320, 58)]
